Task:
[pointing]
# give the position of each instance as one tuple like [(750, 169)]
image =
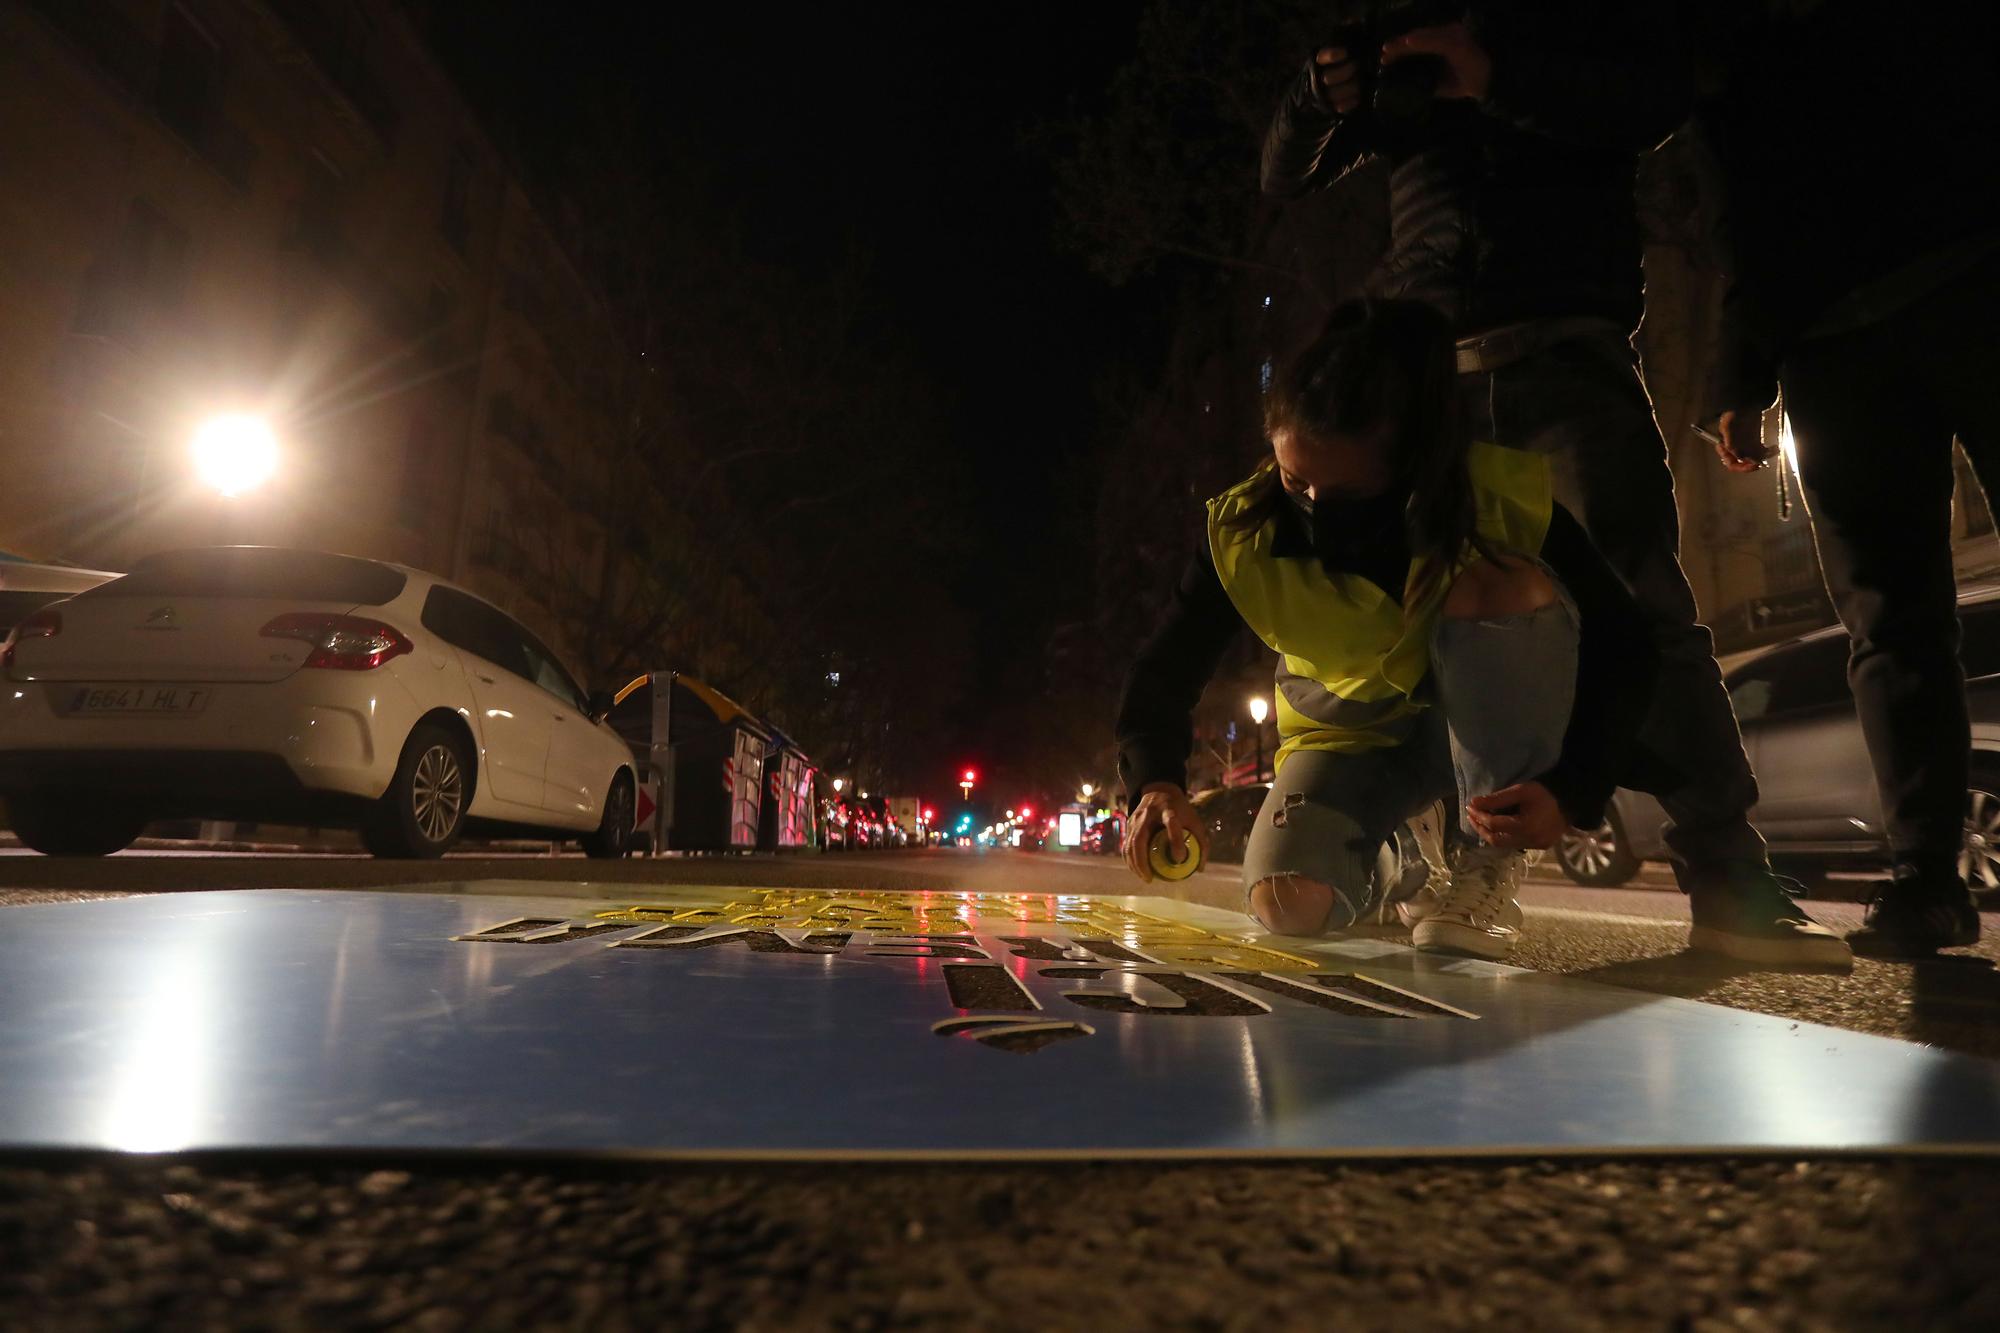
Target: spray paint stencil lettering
[(1012, 991)]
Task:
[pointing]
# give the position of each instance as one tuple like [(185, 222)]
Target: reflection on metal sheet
[(775, 1022)]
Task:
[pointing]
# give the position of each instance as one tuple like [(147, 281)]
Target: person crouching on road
[(1445, 631)]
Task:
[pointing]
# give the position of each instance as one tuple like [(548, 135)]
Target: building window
[(339, 35), (189, 69), (413, 491), (314, 227), (456, 220), (144, 272), (1790, 561), (437, 306)]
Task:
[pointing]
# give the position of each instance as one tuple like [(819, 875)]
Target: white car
[(294, 686)]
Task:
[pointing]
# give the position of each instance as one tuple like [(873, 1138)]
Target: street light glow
[(235, 453), (1087, 790), (838, 783), (1259, 709)]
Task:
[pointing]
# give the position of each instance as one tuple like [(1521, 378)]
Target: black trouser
[(1582, 403), (1874, 412)]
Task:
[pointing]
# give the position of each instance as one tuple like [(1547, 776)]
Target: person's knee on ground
[(1496, 589), (1291, 904)]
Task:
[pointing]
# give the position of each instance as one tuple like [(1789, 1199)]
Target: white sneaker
[(1476, 914), (1427, 828)]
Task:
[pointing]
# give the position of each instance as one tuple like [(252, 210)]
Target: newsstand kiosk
[(701, 762), (791, 814)]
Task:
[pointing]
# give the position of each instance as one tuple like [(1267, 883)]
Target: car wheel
[(613, 838), (1597, 857), (423, 812), (73, 828), (1979, 862)]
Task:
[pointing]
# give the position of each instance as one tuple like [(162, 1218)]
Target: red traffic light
[(929, 815), (1027, 812), (970, 776)]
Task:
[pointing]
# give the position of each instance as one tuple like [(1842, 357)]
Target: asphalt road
[(445, 1245)]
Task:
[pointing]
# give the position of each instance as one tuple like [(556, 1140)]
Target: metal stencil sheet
[(772, 1022)]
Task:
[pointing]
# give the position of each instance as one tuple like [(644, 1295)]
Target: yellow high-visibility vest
[(1351, 659)]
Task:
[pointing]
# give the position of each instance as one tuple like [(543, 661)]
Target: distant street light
[(838, 783), (235, 453), (1087, 790), (1260, 708)]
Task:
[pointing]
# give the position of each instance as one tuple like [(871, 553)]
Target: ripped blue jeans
[(1503, 694)]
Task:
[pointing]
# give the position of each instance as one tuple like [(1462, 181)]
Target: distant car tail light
[(44, 624), (340, 643)]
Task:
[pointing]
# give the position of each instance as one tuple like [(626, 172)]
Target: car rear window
[(261, 572), (16, 607)]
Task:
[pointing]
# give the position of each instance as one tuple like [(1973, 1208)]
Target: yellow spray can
[(1163, 864)]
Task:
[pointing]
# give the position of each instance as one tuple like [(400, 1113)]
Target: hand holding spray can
[(1159, 857)]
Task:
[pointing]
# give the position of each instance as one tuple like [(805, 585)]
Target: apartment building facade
[(284, 207)]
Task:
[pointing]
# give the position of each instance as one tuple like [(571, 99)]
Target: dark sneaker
[(1747, 913), (1914, 916)]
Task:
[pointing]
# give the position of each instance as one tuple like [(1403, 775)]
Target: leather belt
[(1495, 348)]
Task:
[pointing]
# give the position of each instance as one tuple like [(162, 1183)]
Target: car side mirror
[(598, 704)]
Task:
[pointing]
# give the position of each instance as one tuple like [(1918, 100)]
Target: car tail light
[(44, 624), (340, 643)]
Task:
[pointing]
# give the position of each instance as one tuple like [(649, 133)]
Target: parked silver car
[(1818, 807)]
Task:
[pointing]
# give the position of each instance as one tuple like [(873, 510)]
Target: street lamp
[(1087, 790), (1260, 708), (234, 453), (838, 783)]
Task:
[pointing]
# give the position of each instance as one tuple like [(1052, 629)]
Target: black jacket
[(1851, 141), (1521, 206), (1616, 660)]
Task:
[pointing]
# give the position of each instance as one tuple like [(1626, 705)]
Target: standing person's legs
[(1874, 412), (1875, 463), (1583, 405)]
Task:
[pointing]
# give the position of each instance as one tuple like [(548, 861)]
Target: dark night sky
[(900, 127)]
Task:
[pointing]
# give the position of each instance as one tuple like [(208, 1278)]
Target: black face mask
[(1342, 525)]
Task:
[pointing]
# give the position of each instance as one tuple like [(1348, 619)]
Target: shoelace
[(1785, 884), (1486, 899)]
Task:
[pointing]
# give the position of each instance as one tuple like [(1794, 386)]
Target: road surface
[(441, 1245)]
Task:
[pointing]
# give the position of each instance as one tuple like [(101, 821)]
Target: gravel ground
[(136, 1243), (1543, 1245)]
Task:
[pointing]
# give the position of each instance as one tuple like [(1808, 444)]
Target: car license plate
[(129, 700)]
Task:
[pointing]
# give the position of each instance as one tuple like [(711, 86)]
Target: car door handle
[(484, 679)]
